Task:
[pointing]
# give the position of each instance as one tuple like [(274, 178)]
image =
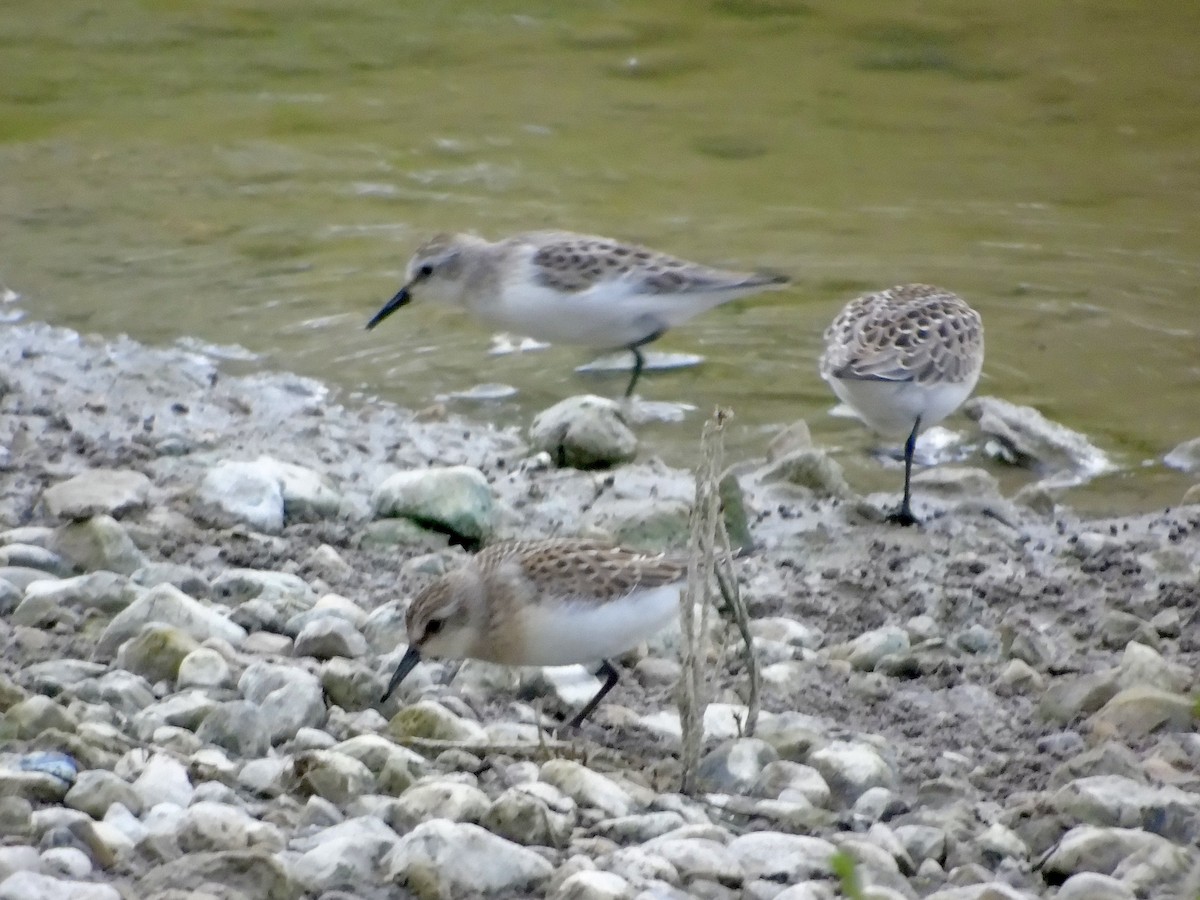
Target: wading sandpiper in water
[(903, 359), (570, 288)]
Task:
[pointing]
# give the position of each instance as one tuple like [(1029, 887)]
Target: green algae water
[(256, 173)]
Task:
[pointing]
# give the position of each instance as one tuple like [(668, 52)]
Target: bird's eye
[(425, 271), (434, 626)]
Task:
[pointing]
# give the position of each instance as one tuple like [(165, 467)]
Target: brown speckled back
[(575, 262), (583, 570), (912, 332)]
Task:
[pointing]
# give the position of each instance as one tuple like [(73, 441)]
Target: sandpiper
[(550, 602), (570, 288), (904, 359)]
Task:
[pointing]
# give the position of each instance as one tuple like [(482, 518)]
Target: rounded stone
[(288, 698), (330, 636), (1121, 801), (1094, 886), (335, 776), (698, 858), (1139, 710), (878, 804), (70, 862), (238, 727), (156, 652), (204, 667), (869, 648), (443, 799), (244, 492), (99, 543), (285, 593), (782, 775), (587, 788), (453, 859), (16, 816), (584, 432), (850, 768), (18, 858), (207, 826), (788, 631), (1185, 457), (341, 855), (30, 717), (734, 766), (31, 557), (998, 843), (349, 683), (11, 595), (1087, 848), (977, 638), (168, 605), (106, 592), (782, 857), (1143, 665), (810, 468), (429, 719), (1034, 441), (95, 790), (591, 885), (36, 886), (456, 500), (534, 814), (308, 495), (187, 579), (1066, 698), (43, 611), (163, 780), (257, 873), (95, 492)]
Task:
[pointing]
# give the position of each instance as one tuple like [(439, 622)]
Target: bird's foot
[(562, 731), (902, 516)]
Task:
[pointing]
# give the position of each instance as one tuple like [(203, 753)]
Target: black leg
[(610, 675), (638, 362), (904, 515)]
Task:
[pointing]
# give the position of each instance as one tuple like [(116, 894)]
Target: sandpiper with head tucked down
[(552, 602), (904, 359), (570, 288)]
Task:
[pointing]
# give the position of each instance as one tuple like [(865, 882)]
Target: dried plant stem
[(707, 542), (727, 581)]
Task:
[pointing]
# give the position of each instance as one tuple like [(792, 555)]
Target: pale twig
[(727, 581), (704, 525)]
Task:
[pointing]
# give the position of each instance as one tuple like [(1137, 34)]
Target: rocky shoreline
[(203, 579)]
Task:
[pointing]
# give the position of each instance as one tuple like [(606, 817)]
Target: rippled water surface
[(256, 173)]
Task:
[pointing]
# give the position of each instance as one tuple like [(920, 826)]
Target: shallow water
[(256, 173)]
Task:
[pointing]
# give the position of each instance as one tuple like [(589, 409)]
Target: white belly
[(891, 407), (560, 634), (606, 316)]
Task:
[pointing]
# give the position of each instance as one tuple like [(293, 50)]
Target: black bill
[(401, 299), (407, 663)]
